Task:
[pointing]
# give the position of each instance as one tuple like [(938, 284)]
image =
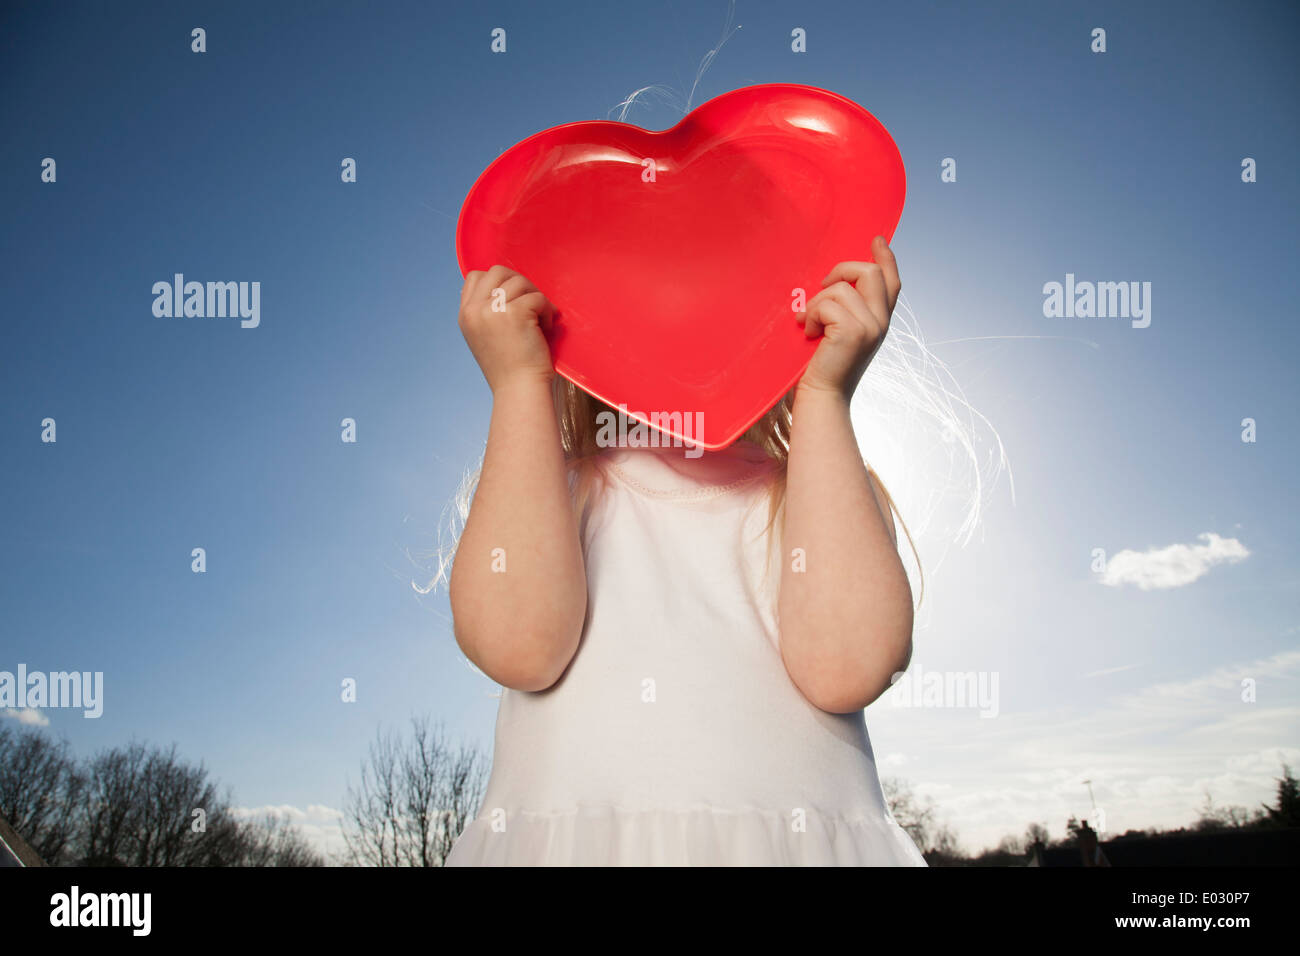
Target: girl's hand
[(505, 320), (852, 314)]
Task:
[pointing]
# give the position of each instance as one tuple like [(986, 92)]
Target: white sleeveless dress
[(676, 737)]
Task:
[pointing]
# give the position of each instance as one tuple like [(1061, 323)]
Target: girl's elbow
[(526, 662), (844, 697), (846, 689), (529, 676)]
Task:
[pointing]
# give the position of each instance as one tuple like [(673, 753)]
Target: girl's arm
[(518, 586), (846, 618)]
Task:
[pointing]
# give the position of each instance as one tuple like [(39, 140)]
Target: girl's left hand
[(851, 313)]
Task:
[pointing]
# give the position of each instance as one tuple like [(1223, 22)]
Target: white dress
[(675, 736)]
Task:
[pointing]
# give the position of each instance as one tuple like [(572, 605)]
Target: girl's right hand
[(504, 319)]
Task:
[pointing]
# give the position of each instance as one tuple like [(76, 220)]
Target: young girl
[(684, 671)]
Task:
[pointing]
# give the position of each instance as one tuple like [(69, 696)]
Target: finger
[(496, 275), (871, 287), (546, 318), (859, 313), (869, 281), (889, 266), (486, 283), (535, 303), (467, 290), (516, 286), (812, 326), (828, 313), (847, 271), (852, 319)]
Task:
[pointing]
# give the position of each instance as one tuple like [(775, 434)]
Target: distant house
[(1231, 847), (1086, 852), (14, 850)]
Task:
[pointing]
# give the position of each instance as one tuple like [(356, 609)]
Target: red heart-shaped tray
[(675, 295)]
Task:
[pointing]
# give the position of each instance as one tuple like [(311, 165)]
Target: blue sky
[(183, 433)]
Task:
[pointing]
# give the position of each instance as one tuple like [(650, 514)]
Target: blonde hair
[(577, 415)]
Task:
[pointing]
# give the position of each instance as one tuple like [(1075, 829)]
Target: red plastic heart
[(673, 257)]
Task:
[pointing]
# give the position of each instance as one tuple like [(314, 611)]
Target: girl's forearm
[(518, 586), (846, 617)]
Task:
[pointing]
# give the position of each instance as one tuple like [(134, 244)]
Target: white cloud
[(1111, 670), (28, 715), (1174, 565)]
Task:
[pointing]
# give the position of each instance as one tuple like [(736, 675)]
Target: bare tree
[(1011, 845), (1037, 833), (146, 807), (1214, 817), (936, 841), (132, 806), (414, 799), (40, 786), (272, 840)]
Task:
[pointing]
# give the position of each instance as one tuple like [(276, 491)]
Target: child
[(684, 676)]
